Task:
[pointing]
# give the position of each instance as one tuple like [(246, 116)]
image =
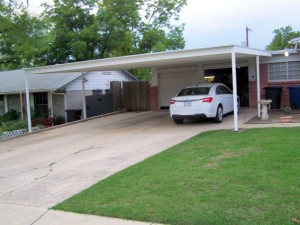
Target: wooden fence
[(136, 95), (116, 89)]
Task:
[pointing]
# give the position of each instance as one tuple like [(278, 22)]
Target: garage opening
[(172, 80), (225, 76)]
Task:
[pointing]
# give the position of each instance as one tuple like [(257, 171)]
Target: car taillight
[(208, 100), (172, 102)]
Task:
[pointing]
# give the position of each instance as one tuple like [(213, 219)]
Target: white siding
[(13, 102), (99, 80), (74, 99), (58, 105)]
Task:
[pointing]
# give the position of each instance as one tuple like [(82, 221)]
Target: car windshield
[(194, 91)]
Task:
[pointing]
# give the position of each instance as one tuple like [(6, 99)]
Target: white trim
[(5, 104), (283, 81), (153, 59)]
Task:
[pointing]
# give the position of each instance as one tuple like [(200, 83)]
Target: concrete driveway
[(39, 170)]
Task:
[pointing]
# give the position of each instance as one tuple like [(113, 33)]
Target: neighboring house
[(95, 83), (54, 93)]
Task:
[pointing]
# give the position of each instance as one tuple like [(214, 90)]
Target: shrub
[(11, 115), (46, 122), (13, 125), (57, 120)]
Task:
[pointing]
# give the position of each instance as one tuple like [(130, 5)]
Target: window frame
[(281, 71)]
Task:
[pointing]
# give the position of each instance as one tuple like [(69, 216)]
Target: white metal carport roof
[(169, 58), (154, 59)]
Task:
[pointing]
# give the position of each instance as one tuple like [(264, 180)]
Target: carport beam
[(27, 103), (258, 86), (83, 97), (234, 85)]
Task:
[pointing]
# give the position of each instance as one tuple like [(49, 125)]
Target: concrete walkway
[(39, 170)]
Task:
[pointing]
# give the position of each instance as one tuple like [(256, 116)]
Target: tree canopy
[(282, 37), (76, 30), (22, 37)]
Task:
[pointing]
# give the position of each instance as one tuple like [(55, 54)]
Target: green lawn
[(219, 177)]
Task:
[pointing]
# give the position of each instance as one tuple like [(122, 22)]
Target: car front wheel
[(219, 115), (178, 121)]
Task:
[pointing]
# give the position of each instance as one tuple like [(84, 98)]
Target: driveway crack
[(39, 217), (49, 167)]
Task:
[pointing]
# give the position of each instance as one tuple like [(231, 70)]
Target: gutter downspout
[(27, 103), (258, 86), (234, 85)]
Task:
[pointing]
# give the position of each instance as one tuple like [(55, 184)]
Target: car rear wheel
[(178, 121), (219, 115)]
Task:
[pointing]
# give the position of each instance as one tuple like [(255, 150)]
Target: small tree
[(282, 37)]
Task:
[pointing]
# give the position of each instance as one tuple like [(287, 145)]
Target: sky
[(211, 23)]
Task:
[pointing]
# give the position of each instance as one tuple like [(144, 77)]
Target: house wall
[(13, 102), (58, 105), (74, 99), (99, 80), (153, 98), (264, 81)]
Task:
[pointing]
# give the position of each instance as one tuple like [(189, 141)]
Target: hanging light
[(286, 53)]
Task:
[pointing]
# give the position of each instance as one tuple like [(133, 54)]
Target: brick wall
[(285, 95), (153, 98)]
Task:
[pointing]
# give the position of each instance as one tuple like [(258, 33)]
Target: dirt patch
[(224, 155), (277, 116)]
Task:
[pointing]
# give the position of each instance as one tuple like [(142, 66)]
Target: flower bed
[(45, 122)]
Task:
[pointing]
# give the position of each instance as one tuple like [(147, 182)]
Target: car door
[(227, 99)]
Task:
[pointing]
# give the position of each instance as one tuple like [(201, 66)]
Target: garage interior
[(224, 76)]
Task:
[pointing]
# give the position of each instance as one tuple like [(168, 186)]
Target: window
[(41, 104), (222, 90), (194, 91), (1, 105), (284, 71)]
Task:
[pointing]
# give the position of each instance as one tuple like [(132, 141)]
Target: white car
[(211, 100)]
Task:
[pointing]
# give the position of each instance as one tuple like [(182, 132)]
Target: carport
[(224, 54)]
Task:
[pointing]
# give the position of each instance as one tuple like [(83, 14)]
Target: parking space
[(40, 170)]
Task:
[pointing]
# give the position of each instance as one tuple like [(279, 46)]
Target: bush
[(13, 125), (46, 122), (57, 120), (11, 115)]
